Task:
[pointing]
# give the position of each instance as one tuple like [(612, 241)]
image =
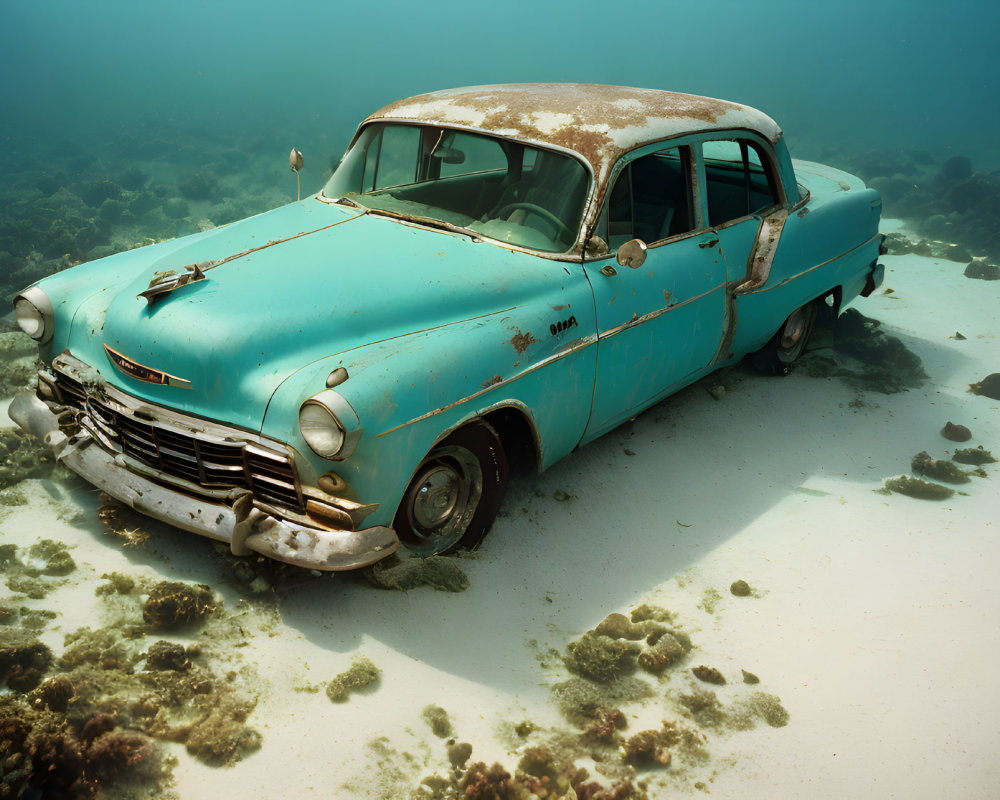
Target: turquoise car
[(492, 277)]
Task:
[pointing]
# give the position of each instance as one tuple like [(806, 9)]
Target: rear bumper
[(235, 520), (876, 277)]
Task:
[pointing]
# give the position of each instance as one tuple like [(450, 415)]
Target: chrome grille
[(214, 464)]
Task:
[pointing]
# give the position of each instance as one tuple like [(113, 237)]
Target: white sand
[(876, 624)]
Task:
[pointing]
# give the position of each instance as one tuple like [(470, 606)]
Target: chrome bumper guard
[(235, 519)]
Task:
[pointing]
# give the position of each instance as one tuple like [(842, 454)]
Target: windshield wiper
[(427, 222)]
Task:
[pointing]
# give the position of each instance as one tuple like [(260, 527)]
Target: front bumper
[(235, 520)]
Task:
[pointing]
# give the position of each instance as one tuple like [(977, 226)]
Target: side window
[(738, 180), (651, 199), (391, 158)]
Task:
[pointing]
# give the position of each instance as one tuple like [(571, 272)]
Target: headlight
[(330, 425), (33, 310), (321, 429)]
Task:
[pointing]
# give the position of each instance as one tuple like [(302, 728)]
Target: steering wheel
[(539, 211)]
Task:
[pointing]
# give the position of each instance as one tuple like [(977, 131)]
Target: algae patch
[(914, 487), (405, 573), (361, 674)]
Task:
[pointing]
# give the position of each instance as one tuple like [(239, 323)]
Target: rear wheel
[(455, 493), (788, 343)]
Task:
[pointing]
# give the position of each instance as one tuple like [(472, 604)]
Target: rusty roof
[(598, 122)]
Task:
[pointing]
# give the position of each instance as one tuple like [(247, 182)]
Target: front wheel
[(455, 492)]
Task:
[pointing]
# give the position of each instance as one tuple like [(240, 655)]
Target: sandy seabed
[(873, 616)]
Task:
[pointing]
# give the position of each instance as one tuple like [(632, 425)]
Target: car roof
[(596, 121)]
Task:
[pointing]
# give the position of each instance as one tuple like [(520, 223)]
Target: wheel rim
[(442, 499), (794, 333)]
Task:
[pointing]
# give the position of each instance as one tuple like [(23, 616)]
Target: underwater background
[(743, 527), (124, 123)]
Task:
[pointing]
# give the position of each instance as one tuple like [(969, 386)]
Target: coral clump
[(54, 694), (487, 783), (976, 456), (24, 664), (45, 755), (668, 651), (582, 701), (220, 737), (459, 753), (648, 747), (54, 558), (606, 725), (947, 471), (956, 433), (167, 656), (618, 626), (174, 605), (709, 675), (599, 658), (361, 674), (914, 487), (649, 612), (740, 588), (22, 456), (988, 386)]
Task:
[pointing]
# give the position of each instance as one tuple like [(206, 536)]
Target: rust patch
[(492, 381), (521, 341)]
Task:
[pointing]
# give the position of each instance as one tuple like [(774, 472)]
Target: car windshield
[(492, 187)]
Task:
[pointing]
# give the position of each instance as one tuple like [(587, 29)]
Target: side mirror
[(632, 253)]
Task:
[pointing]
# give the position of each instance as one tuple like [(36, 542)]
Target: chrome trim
[(141, 372), (230, 517), (37, 297)]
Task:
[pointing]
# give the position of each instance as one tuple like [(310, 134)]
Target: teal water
[(871, 73)]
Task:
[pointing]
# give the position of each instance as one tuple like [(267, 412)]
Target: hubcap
[(438, 496), (443, 498), (794, 329)]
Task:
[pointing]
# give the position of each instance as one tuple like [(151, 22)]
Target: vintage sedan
[(493, 276)]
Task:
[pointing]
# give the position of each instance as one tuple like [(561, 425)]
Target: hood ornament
[(167, 281)]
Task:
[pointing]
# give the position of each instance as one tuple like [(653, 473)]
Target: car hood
[(291, 286)]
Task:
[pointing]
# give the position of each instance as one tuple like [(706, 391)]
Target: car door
[(660, 322)]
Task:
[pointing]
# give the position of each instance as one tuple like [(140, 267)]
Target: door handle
[(710, 243)]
